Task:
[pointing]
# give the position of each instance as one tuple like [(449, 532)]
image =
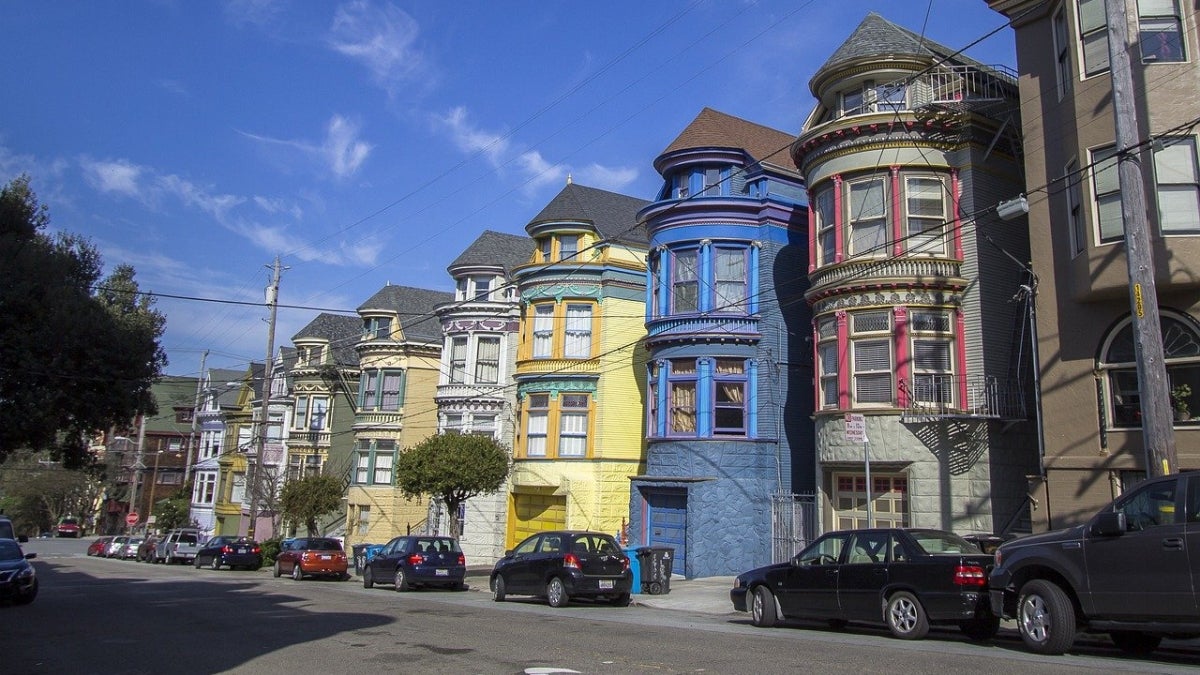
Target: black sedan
[(417, 561), (229, 550), (18, 579), (907, 579), (562, 565)]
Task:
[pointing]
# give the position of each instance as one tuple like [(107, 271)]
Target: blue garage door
[(668, 524)]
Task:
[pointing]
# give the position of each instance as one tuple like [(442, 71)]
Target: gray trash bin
[(655, 563)]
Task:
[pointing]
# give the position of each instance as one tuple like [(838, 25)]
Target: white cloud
[(382, 37), (612, 178), (472, 140), (119, 176), (276, 206), (341, 152), (256, 12), (539, 172)]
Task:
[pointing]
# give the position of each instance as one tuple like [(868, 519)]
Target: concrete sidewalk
[(706, 596)]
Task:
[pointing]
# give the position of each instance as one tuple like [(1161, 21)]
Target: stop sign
[(131, 518)]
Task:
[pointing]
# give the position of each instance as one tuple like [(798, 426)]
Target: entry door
[(668, 524)]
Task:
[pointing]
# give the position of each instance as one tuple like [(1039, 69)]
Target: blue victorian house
[(729, 397)]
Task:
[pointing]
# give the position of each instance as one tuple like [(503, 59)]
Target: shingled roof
[(876, 36), (495, 248), (715, 129), (613, 215), (342, 332), (414, 306)]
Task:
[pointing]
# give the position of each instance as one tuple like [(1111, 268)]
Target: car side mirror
[(1109, 524)]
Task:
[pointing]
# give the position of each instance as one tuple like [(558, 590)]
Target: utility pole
[(265, 400), (1158, 431), (138, 468), (187, 460)]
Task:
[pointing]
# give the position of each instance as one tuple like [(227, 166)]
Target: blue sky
[(369, 142)]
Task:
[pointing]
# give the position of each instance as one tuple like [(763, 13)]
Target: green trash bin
[(655, 563)]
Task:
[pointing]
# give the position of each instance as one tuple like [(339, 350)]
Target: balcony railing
[(858, 270), (928, 398), (309, 438), (566, 366)]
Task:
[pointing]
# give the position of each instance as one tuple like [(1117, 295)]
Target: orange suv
[(314, 556)]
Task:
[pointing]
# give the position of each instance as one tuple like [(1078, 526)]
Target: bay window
[(685, 282), (557, 425), (487, 359), (573, 425), (1093, 33), (867, 217), (826, 226), (578, 343), (566, 333), (729, 390), (681, 397), (543, 330), (933, 380), (729, 275), (871, 355), (925, 213), (1076, 225), (311, 413), (1160, 31), (374, 460), (1107, 194), (458, 360), (1062, 53), (537, 424), (380, 389), (827, 353), (377, 328)]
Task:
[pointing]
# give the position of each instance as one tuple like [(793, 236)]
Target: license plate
[(606, 584), (441, 573), (241, 550), (326, 557)]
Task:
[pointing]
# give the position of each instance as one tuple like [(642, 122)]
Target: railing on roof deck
[(928, 398), (963, 84)]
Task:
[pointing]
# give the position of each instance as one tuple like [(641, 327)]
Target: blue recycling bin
[(363, 553), (635, 567)]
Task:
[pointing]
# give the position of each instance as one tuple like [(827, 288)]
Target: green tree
[(80, 352), (174, 512), (38, 492), (453, 468), (307, 499)]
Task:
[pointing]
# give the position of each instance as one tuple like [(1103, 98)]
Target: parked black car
[(907, 579), (1130, 571), (18, 579), (562, 565), (416, 561), (229, 550)]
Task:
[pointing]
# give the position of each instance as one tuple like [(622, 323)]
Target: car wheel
[(906, 617), (196, 562), (498, 590), (401, 580), (368, 578), (1137, 644), (621, 600), (216, 563), (762, 608), (297, 573), (275, 569), (27, 597), (983, 626), (556, 593), (1045, 618)]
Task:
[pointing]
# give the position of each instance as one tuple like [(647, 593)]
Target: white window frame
[(1106, 194), (925, 232), (1181, 182), (862, 223), (537, 425), (458, 359), (827, 350), (491, 362), (1153, 16), (862, 338), (543, 330), (577, 331), (826, 211), (573, 415), (1093, 38)]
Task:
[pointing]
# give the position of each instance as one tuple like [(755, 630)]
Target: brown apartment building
[(1093, 447)]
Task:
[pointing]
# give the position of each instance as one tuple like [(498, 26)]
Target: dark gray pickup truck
[(1131, 571)]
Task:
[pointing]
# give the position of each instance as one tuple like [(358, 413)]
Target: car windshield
[(933, 542), (69, 521), (9, 550)]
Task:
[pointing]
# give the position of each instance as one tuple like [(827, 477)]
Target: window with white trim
[(206, 488), (379, 389), (1106, 194), (537, 424), (458, 360), (889, 500), (578, 335), (871, 357), (1093, 34), (487, 359), (377, 328), (868, 222), (925, 213), (826, 225), (1178, 186), (311, 413), (1181, 351), (1160, 31), (933, 371), (543, 330), (827, 351), (573, 425)]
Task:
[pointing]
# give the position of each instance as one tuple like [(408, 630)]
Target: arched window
[(1118, 362)]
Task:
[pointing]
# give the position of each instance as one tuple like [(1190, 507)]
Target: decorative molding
[(481, 325), (842, 303), (554, 388), (560, 291)]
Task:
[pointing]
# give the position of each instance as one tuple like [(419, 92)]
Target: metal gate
[(793, 524)]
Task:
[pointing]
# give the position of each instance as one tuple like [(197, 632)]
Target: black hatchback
[(417, 561), (562, 565), (229, 550)]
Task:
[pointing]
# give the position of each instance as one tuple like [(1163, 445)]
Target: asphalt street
[(109, 616)]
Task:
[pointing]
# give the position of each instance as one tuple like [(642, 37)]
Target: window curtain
[(543, 330), (458, 360), (361, 465), (579, 331), (868, 226), (572, 438), (730, 279), (535, 438), (683, 408), (383, 467), (391, 391), (487, 360)]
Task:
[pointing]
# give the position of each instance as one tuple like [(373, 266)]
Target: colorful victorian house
[(476, 392), (324, 383), (923, 368), (580, 365), (1091, 400), (728, 393), (218, 398), (233, 465), (398, 348)]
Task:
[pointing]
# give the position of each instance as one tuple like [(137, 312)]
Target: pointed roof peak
[(877, 36), (715, 129), (614, 215)]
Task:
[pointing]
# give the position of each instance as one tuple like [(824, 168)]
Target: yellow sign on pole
[(1137, 300)]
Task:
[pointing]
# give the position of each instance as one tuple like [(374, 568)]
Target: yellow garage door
[(535, 513)]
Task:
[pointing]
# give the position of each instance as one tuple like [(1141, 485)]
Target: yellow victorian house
[(580, 365), (399, 358)]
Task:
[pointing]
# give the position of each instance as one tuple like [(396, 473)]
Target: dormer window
[(567, 248), (870, 97), (311, 355), (705, 181), (377, 328)]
